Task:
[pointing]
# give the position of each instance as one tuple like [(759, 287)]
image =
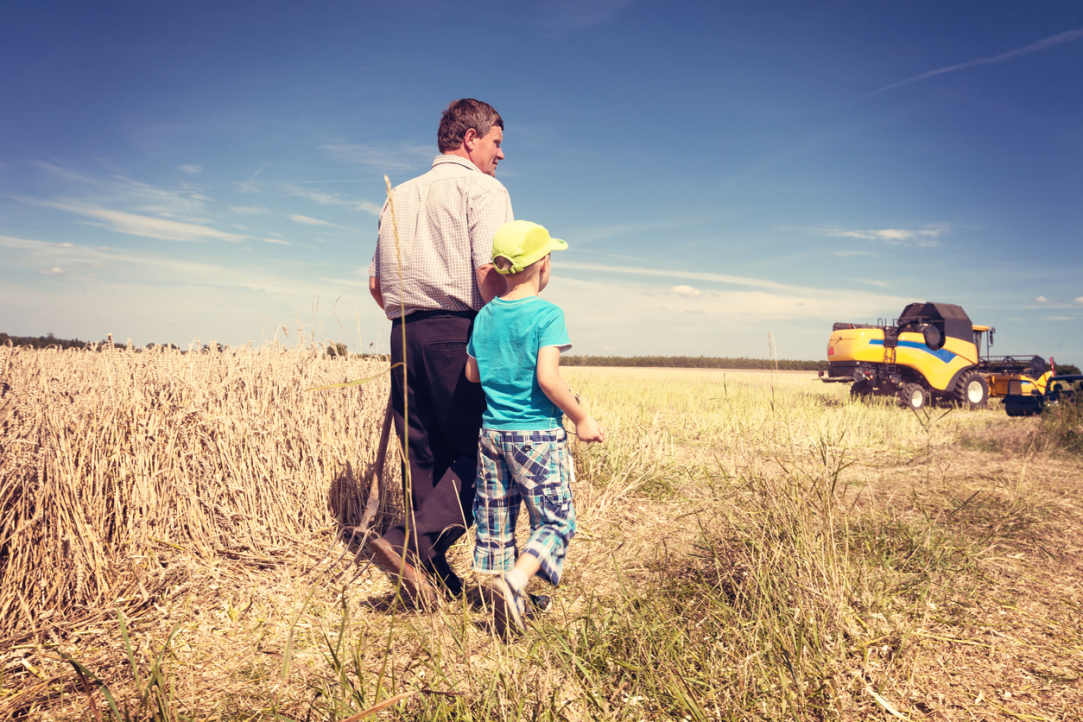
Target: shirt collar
[(457, 159)]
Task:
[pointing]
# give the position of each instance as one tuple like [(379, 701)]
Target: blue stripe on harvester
[(942, 354)]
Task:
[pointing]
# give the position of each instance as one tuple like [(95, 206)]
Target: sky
[(725, 174)]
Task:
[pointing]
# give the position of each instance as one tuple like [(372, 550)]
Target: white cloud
[(192, 168), (1042, 299), (52, 271), (145, 226), (277, 241), (686, 291), (1079, 300)]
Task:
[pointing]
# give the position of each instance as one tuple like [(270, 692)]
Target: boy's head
[(520, 244)]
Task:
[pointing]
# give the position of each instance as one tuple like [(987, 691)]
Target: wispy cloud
[(277, 241), (309, 221), (562, 17), (298, 218), (404, 157), (1079, 300), (922, 237), (1050, 42), (334, 198), (1042, 299), (55, 170), (52, 272), (145, 226), (773, 288), (195, 169), (249, 210)]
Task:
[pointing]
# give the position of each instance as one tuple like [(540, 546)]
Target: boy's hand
[(589, 430)]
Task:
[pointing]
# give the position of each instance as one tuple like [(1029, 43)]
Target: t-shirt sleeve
[(489, 209), (553, 332)]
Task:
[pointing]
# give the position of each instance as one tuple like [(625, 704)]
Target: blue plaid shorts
[(516, 467)]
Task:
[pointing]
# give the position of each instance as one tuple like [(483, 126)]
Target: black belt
[(437, 313)]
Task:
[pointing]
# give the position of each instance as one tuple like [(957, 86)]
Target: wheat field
[(751, 546)]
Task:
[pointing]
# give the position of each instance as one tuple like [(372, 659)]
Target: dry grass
[(752, 546)]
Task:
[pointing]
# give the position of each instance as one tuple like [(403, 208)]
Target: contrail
[(1049, 42)]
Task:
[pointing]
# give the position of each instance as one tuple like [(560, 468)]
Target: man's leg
[(444, 418), (457, 406)]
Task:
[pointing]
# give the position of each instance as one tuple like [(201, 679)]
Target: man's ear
[(470, 138)]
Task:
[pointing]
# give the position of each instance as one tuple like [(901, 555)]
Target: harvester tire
[(914, 396), (861, 390), (972, 390)]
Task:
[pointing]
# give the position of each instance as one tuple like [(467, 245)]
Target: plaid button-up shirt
[(446, 219)]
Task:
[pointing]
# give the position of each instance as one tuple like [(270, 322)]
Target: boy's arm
[(586, 428), (472, 373)]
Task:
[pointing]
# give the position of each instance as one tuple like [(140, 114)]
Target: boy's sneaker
[(509, 606), (536, 604)]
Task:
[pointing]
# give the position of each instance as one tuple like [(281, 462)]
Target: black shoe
[(415, 585)]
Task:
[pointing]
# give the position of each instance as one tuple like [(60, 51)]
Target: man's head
[(474, 130)]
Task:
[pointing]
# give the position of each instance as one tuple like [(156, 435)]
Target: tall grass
[(113, 461)]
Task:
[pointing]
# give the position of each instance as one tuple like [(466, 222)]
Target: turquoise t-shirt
[(505, 342)]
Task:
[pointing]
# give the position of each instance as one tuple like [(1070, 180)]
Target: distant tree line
[(679, 362), (48, 341), (693, 362)]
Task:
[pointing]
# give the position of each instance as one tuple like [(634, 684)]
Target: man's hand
[(588, 430)]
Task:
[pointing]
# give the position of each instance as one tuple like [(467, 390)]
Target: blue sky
[(172, 171)]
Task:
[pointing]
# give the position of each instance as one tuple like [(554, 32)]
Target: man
[(446, 221)]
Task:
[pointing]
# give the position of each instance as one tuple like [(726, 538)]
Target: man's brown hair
[(462, 115)]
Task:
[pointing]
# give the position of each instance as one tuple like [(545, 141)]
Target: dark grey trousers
[(444, 412)]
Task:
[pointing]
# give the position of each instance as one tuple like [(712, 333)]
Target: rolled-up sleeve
[(488, 210)]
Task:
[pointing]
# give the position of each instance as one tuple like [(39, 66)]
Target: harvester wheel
[(914, 396), (972, 390), (861, 390)]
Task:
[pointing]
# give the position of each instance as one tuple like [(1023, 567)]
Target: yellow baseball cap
[(523, 243)]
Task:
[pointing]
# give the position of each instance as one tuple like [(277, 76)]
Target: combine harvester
[(931, 353)]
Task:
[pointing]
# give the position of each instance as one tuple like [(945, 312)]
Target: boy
[(514, 352)]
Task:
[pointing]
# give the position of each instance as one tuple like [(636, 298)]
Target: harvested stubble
[(113, 460)]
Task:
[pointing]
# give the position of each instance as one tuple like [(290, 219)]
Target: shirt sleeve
[(553, 332), (489, 209)]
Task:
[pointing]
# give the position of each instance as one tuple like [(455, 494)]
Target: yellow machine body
[(937, 366)]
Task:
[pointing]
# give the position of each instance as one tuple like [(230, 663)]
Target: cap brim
[(555, 244)]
